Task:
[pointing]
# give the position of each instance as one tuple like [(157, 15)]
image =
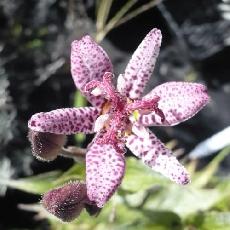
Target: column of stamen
[(146, 106)]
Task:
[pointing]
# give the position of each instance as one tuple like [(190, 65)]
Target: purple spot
[(33, 123)]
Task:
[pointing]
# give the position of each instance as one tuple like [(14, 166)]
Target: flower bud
[(46, 146), (66, 202)]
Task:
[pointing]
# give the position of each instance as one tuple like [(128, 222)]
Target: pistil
[(119, 108)]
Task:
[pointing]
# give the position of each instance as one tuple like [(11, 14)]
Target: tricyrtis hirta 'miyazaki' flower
[(121, 116)]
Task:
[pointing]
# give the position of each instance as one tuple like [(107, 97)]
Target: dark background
[(35, 37)]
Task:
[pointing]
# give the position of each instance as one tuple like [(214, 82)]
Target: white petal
[(100, 122)]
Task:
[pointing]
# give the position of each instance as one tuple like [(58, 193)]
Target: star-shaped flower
[(121, 116)]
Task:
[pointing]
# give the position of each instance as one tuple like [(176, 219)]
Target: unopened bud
[(66, 202), (46, 146)]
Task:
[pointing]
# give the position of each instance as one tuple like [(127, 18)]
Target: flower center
[(119, 108)]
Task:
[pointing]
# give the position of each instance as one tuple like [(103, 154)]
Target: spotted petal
[(105, 168), (65, 121), (179, 101), (154, 154), (89, 62), (141, 66)]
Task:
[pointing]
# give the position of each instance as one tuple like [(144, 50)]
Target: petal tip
[(34, 122), (85, 39), (202, 91), (205, 92), (156, 31), (46, 146), (156, 35), (185, 180)]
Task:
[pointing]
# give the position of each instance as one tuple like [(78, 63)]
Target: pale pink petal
[(141, 66), (65, 121), (154, 154), (89, 62), (104, 171), (179, 101)]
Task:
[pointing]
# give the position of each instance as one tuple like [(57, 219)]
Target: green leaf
[(124, 217), (113, 21), (203, 177), (210, 220), (102, 12), (80, 138), (117, 216), (35, 184), (183, 200), (79, 99), (43, 182), (139, 177), (223, 185), (76, 172)]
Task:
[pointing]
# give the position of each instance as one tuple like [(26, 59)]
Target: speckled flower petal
[(65, 121), (104, 171), (89, 62), (141, 66), (179, 101), (154, 154)]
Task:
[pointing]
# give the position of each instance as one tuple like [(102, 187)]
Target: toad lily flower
[(121, 116)]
